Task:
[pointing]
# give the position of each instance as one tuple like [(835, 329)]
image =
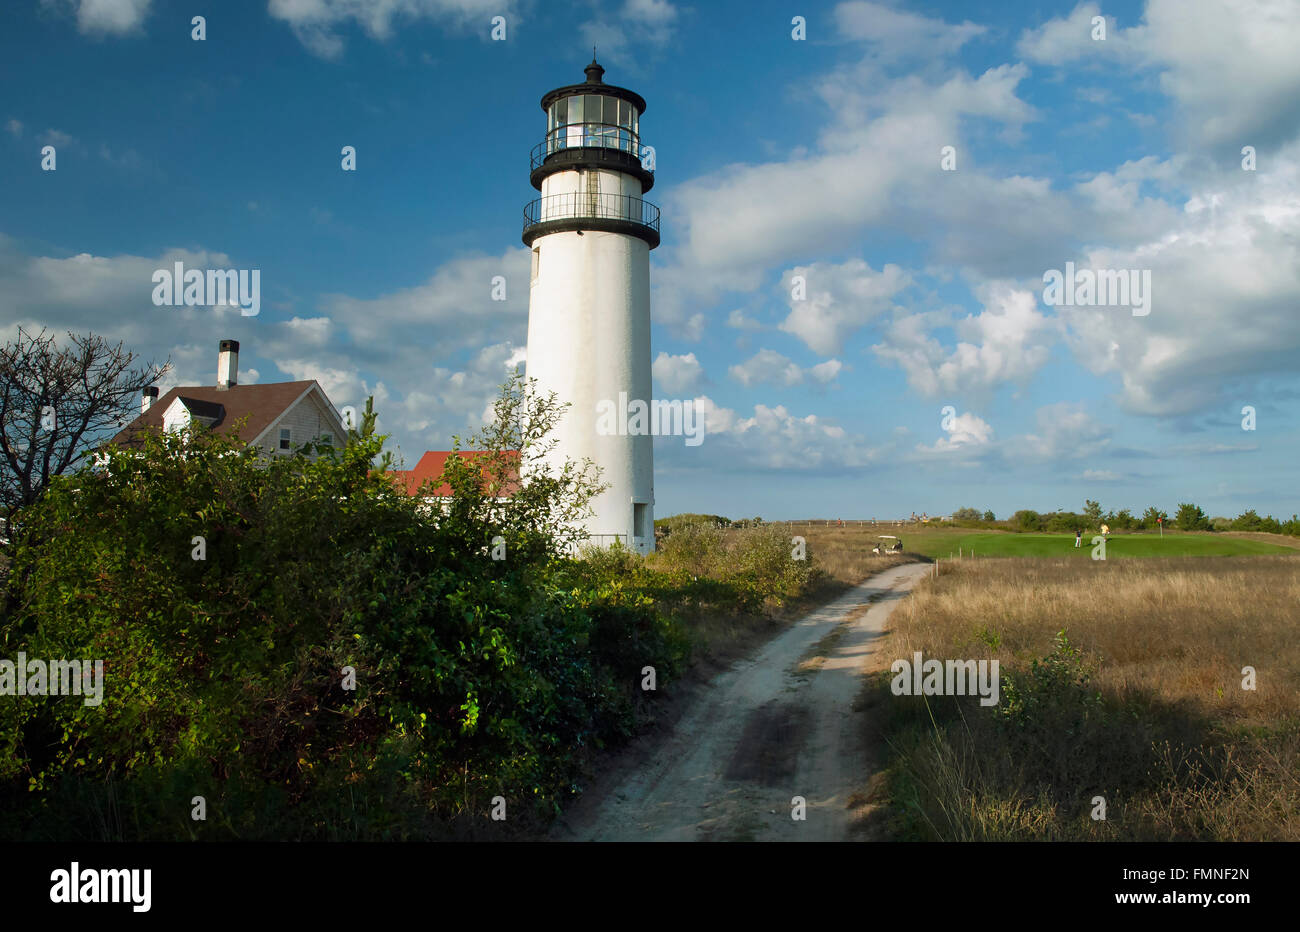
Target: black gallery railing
[(596, 206)]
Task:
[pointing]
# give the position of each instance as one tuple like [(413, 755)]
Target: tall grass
[(1121, 680), (726, 586)]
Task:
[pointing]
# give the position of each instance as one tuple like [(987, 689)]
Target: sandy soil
[(772, 727)]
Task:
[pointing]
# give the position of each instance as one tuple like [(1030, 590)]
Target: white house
[(277, 417)]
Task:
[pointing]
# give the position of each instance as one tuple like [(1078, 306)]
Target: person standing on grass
[(1078, 537)]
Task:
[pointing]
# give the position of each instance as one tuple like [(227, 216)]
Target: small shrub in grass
[(1052, 696), (696, 548)]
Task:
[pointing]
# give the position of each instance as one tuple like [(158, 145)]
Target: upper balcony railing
[(620, 213), (586, 136)]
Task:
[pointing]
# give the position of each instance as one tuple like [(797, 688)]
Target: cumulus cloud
[(1008, 341), (1225, 278), (738, 321), (772, 439), (769, 366), (834, 301), (677, 374), (1230, 65), (862, 174), (1068, 39), (454, 307), (966, 433), (899, 34), (1065, 432)]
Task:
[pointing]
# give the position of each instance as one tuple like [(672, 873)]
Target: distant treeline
[(1187, 517), (672, 523)]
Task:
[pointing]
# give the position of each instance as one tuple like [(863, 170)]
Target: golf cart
[(888, 544)]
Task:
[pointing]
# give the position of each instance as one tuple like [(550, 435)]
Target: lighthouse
[(591, 232)]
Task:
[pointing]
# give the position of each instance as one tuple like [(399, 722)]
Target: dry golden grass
[(1177, 746), (1184, 628)]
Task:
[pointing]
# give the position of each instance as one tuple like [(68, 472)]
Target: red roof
[(432, 464)]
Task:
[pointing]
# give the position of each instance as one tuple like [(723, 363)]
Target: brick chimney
[(148, 397), (228, 365)]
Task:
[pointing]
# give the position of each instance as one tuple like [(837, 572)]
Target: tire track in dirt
[(772, 727)]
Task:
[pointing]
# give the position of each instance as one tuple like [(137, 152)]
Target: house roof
[(211, 410), (261, 404), (432, 464)]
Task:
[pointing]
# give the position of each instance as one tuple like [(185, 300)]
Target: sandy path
[(772, 727)]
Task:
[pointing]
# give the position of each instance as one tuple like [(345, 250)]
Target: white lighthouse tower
[(591, 234)]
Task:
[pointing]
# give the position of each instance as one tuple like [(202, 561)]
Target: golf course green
[(940, 543)]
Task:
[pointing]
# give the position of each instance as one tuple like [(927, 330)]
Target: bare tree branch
[(57, 405)]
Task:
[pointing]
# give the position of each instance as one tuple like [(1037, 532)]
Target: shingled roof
[(261, 404)]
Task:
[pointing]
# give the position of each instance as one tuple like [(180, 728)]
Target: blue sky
[(776, 158)]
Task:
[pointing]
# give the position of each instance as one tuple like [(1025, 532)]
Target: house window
[(537, 260), (284, 438), (639, 510), (327, 440)]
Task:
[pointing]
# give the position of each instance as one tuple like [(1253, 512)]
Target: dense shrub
[(1191, 518), (474, 677), (1122, 520), (1026, 520), (674, 522)]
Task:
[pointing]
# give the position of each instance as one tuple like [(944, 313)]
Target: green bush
[(1191, 518), (1026, 520), (474, 677)]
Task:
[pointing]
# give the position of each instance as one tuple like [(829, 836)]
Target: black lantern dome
[(591, 125)]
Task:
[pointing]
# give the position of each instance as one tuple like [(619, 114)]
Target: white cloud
[(966, 432), (769, 366), (738, 321), (453, 308), (315, 22), (1065, 432), (104, 17), (1069, 39), (677, 374), (647, 22), (839, 300), (897, 34), (1101, 475), (1230, 65), (314, 331), (1225, 281), (772, 439), (863, 174), (56, 138), (15, 128), (337, 383), (406, 343), (1008, 341)]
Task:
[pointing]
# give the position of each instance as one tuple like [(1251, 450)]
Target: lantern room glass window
[(592, 120)]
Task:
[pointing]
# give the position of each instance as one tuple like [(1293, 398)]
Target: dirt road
[(775, 726)]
